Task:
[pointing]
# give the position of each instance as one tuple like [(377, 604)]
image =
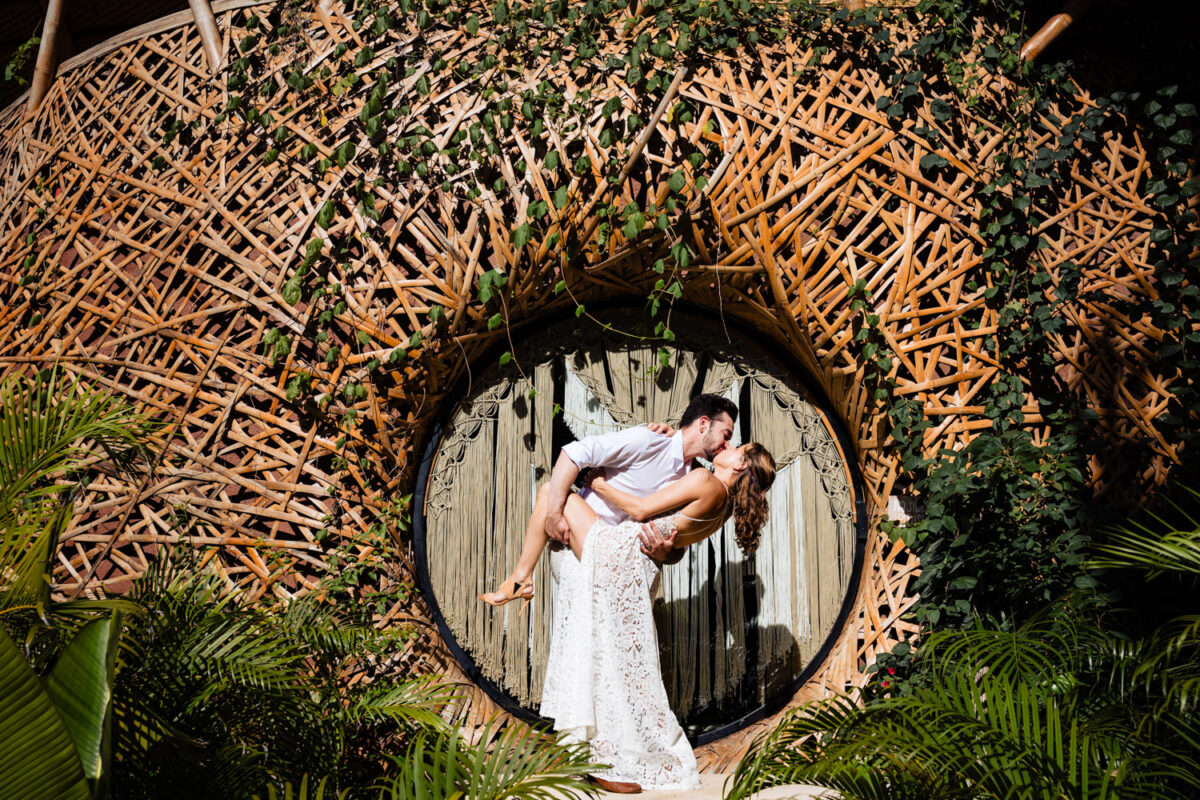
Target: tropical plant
[(1079, 702), (54, 435), (520, 764), (1040, 712), (181, 688), (1003, 533), (242, 698), (303, 791)]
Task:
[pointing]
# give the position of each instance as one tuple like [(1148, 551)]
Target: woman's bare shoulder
[(703, 482)]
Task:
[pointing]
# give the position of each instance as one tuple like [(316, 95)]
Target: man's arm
[(564, 474), (660, 548), (617, 449), (673, 556)]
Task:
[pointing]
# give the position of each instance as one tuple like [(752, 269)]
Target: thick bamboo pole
[(47, 60), (1052, 29), (210, 35)]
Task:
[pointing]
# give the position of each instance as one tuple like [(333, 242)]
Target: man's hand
[(660, 428), (564, 474), (557, 528), (654, 544)]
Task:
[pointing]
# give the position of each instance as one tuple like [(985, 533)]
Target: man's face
[(716, 436)]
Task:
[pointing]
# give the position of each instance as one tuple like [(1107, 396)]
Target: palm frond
[(417, 701), (520, 764), (25, 562), (1026, 728), (304, 791), (1163, 547), (784, 754), (1036, 652), (50, 428)]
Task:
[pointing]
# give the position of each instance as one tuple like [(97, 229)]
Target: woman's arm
[(691, 487)]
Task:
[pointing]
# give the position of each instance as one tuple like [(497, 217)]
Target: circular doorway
[(737, 634)]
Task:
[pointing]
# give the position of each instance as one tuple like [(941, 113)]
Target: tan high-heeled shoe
[(520, 591)]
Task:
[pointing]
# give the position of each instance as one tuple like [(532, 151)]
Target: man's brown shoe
[(616, 787)]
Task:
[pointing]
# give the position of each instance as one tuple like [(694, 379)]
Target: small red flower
[(891, 670), (885, 684)]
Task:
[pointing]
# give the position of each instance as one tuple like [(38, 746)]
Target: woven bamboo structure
[(160, 279)]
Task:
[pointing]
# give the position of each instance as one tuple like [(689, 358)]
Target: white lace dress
[(603, 679)]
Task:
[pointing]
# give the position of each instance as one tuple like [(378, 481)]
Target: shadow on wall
[(723, 677)]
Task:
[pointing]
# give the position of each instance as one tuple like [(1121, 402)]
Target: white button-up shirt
[(635, 460)]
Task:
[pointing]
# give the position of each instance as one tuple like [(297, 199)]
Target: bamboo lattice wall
[(159, 282)]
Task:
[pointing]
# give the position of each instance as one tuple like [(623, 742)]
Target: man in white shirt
[(640, 461)]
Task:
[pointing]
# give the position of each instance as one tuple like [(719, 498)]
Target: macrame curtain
[(733, 630), (626, 381)]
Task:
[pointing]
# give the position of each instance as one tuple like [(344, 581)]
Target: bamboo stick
[(1052, 29), (47, 58), (210, 34)]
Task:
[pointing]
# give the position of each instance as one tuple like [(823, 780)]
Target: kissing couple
[(646, 502)]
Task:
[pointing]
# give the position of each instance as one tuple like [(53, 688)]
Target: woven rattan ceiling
[(157, 271)]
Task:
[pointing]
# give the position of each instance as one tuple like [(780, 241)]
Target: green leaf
[(933, 161), (38, 758), (80, 686), (292, 290), (343, 153), (495, 321), (634, 224), (489, 283), (325, 216), (506, 357), (473, 24), (521, 236), (677, 181)]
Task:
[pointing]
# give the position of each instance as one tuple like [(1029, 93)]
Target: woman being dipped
[(603, 681), (692, 508)]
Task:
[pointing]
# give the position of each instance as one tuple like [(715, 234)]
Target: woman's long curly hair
[(750, 496)]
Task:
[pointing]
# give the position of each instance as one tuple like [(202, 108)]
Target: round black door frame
[(773, 705)]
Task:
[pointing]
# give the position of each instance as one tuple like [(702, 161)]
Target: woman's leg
[(579, 516)]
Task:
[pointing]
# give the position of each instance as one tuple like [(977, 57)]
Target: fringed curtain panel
[(735, 632)]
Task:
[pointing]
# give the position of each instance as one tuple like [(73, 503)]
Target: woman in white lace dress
[(603, 679)]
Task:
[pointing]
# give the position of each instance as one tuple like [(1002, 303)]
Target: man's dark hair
[(708, 405)]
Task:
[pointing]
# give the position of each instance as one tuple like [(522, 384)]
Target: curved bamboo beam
[(1052, 29), (47, 60), (210, 35)]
